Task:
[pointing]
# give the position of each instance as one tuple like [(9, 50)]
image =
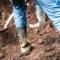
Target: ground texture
[(46, 40)]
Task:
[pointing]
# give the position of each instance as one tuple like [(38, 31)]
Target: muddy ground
[(46, 40)]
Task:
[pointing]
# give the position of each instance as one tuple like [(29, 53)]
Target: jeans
[(52, 9), (19, 12)]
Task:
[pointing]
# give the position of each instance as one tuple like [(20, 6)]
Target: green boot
[(25, 45)]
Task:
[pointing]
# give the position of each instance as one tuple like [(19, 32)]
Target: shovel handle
[(8, 20)]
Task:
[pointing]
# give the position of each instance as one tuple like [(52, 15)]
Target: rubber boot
[(25, 45), (40, 17)]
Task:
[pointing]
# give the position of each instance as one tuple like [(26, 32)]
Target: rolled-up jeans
[(19, 12), (52, 9)]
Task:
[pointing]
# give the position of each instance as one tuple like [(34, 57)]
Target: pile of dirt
[(46, 40)]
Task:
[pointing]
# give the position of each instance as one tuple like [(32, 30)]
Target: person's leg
[(19, 12), (28, 2), (52, 9), (40, 15)]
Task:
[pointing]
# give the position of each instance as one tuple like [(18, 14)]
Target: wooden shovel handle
[(8, 20)]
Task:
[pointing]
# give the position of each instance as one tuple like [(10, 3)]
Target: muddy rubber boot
[(25, 45), (40, 15)]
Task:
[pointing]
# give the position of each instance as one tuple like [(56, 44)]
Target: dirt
[(46, 40)]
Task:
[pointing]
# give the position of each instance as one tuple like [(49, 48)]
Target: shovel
[(6, 24)]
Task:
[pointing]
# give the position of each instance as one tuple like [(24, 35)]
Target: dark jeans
[(19, 11)]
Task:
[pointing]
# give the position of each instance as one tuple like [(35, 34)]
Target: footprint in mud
[(49, 40)]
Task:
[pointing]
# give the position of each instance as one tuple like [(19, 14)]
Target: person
[(19, 13), (40, 15), (52, 9)]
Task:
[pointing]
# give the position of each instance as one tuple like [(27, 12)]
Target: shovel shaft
[(8, 20)]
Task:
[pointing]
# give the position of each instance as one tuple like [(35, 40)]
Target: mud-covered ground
[(46, 40)]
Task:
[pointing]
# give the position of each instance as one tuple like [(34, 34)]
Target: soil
[(46, 40)]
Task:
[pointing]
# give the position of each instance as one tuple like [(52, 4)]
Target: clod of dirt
[(48, 49), (57, 58), (20, 58), (2, 29), (50, 54), (40, 41), (1, 55), (57, 55), (58, 39)]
